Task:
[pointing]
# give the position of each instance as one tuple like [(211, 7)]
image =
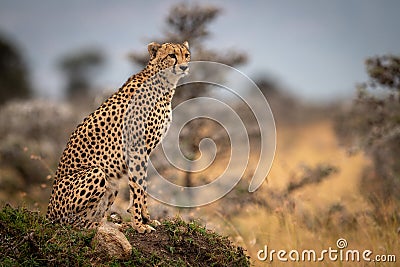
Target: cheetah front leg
[(138, 202), (145, 212)]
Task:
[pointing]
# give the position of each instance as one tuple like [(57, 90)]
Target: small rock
[(112, 242)]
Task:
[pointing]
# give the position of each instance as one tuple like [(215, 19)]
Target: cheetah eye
[(186, 55), (172, 56)]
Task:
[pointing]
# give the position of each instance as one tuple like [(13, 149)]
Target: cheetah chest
[(158, 124)]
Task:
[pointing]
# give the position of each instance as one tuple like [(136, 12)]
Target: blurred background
[(330, 72)]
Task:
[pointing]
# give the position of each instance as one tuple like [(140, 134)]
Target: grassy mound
[(28, 239)]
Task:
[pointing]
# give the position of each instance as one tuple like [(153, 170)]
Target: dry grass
[(314, 216)]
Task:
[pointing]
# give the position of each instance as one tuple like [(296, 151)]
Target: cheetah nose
[(183, 67)]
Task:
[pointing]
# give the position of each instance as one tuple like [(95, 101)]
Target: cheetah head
[(170, 56)]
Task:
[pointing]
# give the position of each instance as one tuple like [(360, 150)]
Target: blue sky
[(316, 49)]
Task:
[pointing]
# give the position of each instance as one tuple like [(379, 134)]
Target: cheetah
[(116, 140)]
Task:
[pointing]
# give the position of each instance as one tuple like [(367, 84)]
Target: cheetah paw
[(144, 228), (147, 229)]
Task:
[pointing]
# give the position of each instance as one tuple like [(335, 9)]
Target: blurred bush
[(373, 125), (32, 136), (79, 69)]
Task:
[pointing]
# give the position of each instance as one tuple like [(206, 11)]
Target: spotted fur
[(115, 140)]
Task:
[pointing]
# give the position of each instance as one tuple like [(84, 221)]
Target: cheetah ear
[(185, 43), (153, 47)]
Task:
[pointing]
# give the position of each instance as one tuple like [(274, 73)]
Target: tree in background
[(14, 82), (374, 123), (191, 23), (79, 69)]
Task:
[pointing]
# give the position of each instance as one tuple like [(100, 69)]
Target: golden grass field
[(315, 216)]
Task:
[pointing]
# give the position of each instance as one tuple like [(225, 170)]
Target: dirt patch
[(176, 242)]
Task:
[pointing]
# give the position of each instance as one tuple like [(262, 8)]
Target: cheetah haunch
[(115, 140)]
